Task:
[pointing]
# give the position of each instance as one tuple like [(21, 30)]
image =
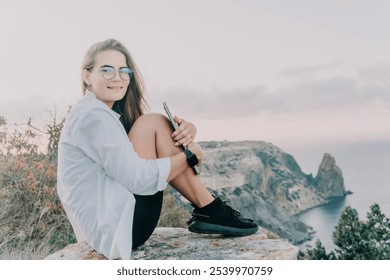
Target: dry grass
[(172, 214), (26, 253), (32, 220)]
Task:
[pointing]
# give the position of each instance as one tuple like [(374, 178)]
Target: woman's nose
[(117, 76)]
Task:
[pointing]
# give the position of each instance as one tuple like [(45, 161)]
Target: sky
[(287, 72)]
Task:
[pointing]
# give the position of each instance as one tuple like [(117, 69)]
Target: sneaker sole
[(202, 227)]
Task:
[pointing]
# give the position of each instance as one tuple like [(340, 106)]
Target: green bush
[(355, 239)]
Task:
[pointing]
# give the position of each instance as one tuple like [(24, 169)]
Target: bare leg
[(151, 139)]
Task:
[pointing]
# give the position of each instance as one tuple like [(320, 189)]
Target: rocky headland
[(265, 183)]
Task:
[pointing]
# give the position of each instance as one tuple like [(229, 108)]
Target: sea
[(366, 171)]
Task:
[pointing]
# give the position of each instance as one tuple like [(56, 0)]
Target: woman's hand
[(185, 134)]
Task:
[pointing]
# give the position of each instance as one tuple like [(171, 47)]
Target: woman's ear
[(86, 77)]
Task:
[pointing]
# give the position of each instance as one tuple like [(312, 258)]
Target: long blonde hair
[(132, 105)]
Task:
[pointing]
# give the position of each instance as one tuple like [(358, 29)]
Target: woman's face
[(106, 90)]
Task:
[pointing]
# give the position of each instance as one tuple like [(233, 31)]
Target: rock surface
[(180, 244)]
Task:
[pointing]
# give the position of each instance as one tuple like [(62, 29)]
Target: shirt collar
[(90, 94)]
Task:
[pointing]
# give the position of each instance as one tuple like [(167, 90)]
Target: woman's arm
[(103, 139)]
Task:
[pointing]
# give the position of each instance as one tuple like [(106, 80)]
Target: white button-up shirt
[(98, 173)]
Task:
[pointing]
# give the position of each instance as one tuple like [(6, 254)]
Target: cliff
[(267, 184), (180, 244)]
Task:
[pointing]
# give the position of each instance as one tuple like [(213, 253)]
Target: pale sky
[(286, 72)]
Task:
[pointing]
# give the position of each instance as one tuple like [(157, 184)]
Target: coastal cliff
[(267, 184)]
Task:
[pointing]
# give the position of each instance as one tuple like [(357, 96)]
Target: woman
[(111, 188)]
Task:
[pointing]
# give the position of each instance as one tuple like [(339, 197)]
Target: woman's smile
[(116, 88)]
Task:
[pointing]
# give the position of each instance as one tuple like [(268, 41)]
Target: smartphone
[(175, 127), (170, 117)]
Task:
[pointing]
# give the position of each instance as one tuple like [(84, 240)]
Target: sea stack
[(330, 181)]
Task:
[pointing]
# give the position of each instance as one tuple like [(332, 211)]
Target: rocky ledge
[(180, 244)]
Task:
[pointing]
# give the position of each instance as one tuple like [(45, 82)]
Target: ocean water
[(366, 172)]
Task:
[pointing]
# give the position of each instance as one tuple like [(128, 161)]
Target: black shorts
[(146, 214)]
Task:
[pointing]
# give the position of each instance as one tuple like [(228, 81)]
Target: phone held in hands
[(175, 127)]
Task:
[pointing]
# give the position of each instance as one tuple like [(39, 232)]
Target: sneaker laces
[(231, 210)]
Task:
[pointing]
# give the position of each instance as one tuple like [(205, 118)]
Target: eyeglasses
[(109, 72)]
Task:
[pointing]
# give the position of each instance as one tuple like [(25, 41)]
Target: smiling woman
[(100, 61), (114, 162)]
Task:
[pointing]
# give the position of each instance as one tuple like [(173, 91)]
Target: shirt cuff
[(164, 168)]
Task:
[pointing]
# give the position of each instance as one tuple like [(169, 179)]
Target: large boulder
[(180, 244)]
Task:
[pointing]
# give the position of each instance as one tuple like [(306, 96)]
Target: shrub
[(355, 239), (32, 219)]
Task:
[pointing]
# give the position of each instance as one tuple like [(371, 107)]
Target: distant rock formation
[(267, 184), (180, 244), (329, 179)]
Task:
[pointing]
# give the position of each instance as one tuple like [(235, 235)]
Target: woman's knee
[(151, 120), (143, 135)]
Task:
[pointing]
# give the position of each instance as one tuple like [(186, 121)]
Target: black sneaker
[(224, 202), (220, 218)]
